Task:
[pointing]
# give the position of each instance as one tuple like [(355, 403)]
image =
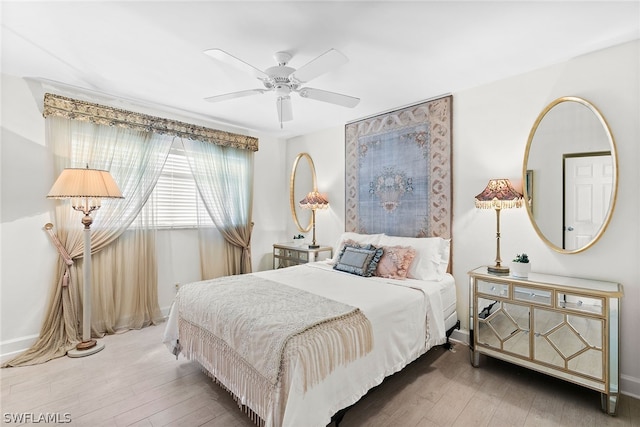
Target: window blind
[(177, 202)]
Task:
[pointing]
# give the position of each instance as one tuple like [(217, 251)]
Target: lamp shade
[(85, 182), (314, 200), (499, 194)]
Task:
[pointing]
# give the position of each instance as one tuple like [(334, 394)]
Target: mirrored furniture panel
[(288, 254), (566, 327), (570, 174)]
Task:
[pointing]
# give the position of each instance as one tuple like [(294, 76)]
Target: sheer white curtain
[(123, 273), (224, 178)]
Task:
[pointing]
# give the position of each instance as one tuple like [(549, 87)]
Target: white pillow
[(362, 239), (432, 255)]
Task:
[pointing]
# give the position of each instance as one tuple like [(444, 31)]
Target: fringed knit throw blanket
[(244, 330)]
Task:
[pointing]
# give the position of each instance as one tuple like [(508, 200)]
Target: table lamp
[(499, 194), (314, 201)]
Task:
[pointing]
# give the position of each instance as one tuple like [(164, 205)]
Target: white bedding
[(407, 317)]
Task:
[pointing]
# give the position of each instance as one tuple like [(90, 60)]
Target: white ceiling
[(400, 53)]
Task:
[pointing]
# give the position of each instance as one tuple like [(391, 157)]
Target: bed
[(380, 323)]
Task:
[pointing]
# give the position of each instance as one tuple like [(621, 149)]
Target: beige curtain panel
[(224, 178)]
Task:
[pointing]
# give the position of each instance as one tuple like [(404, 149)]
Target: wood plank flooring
[(134, 381)]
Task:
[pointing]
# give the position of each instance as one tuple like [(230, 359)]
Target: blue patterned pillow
[(360, 260)]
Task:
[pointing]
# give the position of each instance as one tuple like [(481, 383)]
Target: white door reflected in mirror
[(588, 185)]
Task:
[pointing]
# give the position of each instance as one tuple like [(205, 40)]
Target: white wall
[(326, 148), (28, 259), (270, 202), (491, 127), (26, 253)]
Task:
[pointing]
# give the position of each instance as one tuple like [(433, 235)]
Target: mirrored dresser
[(566, 327)]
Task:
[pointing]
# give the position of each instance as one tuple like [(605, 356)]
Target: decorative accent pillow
[(357, 238), (395, 262), (359, 260), (432, 255)]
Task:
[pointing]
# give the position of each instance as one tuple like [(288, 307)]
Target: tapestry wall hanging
[(398, 176)]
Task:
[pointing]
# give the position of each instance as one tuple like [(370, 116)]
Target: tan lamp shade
[(86, 183)]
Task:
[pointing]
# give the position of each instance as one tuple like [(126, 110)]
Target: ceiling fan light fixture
[(285, 112), (282, 90)]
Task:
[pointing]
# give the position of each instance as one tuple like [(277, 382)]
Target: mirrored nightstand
[(288, 254)]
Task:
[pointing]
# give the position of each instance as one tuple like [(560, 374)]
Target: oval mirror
[(302, 181), (570, 175)]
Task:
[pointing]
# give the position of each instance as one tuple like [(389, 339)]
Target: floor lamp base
[(81, 349)]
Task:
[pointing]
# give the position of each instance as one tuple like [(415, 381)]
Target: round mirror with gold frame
[(302, 181), (570, 175)]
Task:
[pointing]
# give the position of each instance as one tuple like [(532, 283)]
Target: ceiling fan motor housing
[(279, 76)]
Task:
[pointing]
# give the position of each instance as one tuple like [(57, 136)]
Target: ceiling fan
[(284, 80)]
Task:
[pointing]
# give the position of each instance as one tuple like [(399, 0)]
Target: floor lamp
[(314, 201), (499, 194), (85, 188)]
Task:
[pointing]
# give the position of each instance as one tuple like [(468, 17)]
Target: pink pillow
[(395, 262), (432, 255)]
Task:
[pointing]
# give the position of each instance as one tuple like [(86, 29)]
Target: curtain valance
[(56, 105)]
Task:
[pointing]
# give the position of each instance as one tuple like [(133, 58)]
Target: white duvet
[(407, 320)]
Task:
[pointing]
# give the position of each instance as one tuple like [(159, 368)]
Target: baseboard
[(460, 335), (630, 386), (11, 348)]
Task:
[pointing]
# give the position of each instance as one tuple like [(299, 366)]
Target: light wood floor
[(134, 381)]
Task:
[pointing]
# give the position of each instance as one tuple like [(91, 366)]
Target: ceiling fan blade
[(331, 97), (285, 112), (323, 63), (233, 95), (227, 58)]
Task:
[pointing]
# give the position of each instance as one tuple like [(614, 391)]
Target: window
[(177, 202)]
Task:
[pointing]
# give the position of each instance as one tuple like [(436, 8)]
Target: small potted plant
[(298, 240), (520, 266)]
